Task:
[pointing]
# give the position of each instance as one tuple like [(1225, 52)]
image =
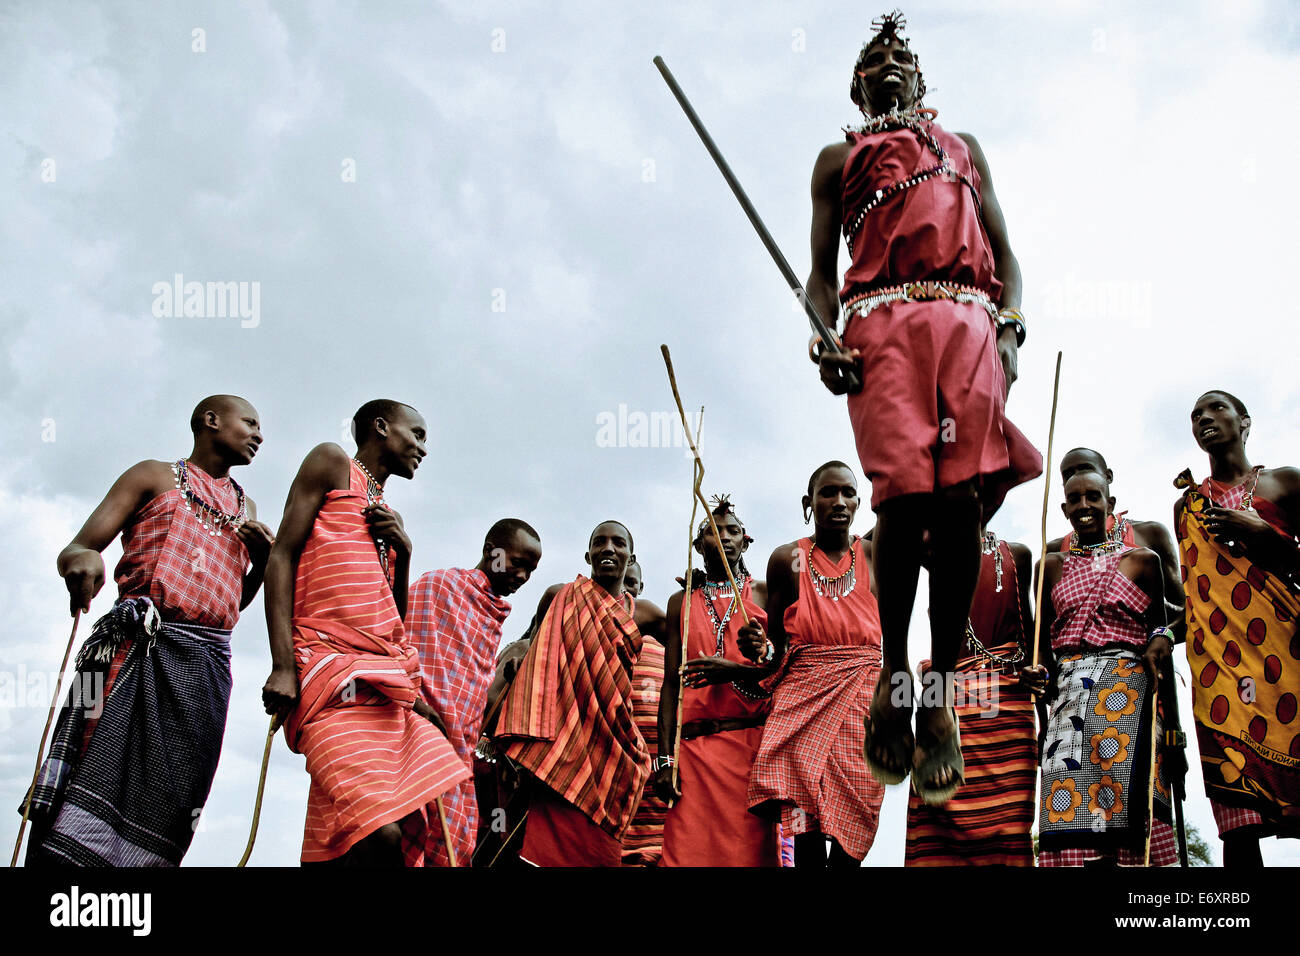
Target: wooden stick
[(717, 539), (1047, 490), (446, 831), (503, 846), (1151, 789), (697, 471), (40, 752), (261, 788)]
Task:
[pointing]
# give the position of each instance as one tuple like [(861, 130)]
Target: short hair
[(1086, 474), (385, 408), (635, 564), (1087, 451), (213, 403), (504, 531), (812, 481), (631, 545), (887, 28), (1233, 400)]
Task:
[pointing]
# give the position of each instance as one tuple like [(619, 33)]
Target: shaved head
[(364, 420), (220, 405)]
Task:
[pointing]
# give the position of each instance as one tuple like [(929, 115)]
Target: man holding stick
[(344, 672), (156, 669), (931, 296)]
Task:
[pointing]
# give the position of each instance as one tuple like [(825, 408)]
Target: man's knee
[(961, 495), (387, 837)]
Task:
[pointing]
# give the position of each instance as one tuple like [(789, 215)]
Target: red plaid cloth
[(1164, 852), (1097, 605), (569, 709), (191, 576), (453, 620), (1233, 818), (810, 765), (643, 843)]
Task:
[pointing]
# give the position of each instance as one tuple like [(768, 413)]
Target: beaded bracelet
[(1012, 317), (1164, 632)]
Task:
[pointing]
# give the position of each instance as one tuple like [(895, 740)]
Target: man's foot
[(889, 741), (940, 770)]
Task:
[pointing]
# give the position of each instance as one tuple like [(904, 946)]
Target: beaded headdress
[(887, 31)]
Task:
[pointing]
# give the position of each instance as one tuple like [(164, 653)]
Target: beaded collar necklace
[(1112, 542), (990, 546), (213, 520), (712, 591), (1248, 497), (375, 496), (918, 120), (838, 587)]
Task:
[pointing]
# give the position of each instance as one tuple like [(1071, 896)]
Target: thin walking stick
[(49, 718), (446, 832), (261, 788), (1047, 490), (1151, 776), (697, 470)]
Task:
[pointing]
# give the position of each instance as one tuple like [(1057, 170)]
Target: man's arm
[(668, 697), (1156, 537), (80, 564), (650, 620), (823, 281), (258, 539), (1005, 265), (323, 470), (782, 591)]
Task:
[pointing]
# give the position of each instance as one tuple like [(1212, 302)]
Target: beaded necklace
[(838, 587), (991, 546), (213, 520), (1112, 542), (712, 591), (918, 120), (375, 496)]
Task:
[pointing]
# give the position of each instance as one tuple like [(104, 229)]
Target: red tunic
[(372, 759), (810, 765), (931, 413), (711, 824)]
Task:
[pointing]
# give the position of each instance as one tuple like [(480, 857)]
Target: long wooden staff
[(40, 752), (697, 469), (446, 832), (1047, 490), (261, 788), (1151, 775)]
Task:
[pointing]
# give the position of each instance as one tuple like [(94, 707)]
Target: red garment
[(809, 765), (556, 833), (453, 620), (643, 842), (1097, 605), (191, 576), (569, 708), (711, 824), (931, 413), (372, 760)]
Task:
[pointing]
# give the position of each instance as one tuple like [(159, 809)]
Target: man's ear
[(1110, 505), (1245, 428), (1064, 512), (381, 427), (211, 420), (587, 557)]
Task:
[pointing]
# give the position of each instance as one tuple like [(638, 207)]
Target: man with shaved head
[(1241, 574), (568, 719), (454, 622), (129, 771), (344, 672)]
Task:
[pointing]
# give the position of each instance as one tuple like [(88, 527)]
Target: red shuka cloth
[(569, 709), (711, 824), (372, 760)]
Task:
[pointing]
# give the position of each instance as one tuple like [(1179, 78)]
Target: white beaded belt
[(929, 291)]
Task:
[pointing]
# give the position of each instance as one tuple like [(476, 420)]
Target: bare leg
[(896, 547), (1241, 852), (954, 573), (810, 849), (839, 859), (383, 848)]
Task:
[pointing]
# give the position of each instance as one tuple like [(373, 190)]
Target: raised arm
[(324, 469), (81, 564)]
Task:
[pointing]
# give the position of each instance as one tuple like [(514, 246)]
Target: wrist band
[(660, 762), (1015, 318), (1164, 632), (769, 652)]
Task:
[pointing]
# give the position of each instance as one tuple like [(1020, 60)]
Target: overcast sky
[(497, 213)]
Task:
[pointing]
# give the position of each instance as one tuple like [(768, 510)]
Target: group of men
[(780, 709)]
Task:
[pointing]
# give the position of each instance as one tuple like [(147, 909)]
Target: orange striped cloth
[(372, 760), (643, 844), (570, 711)]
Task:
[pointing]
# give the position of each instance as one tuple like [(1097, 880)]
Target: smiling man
[(568, 718), (931, 298), (113, 792), (1241, 575), (343, 671), (454, 622)]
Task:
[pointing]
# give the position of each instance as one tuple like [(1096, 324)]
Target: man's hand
[(1158, 650), (705, 671), (386, 525), (752, 641), (835, 368), (1243, 527), (1009, 353), (1035, 679), (280, 693), (258, 539), (664, 788), (422, 708), (84, 577)]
